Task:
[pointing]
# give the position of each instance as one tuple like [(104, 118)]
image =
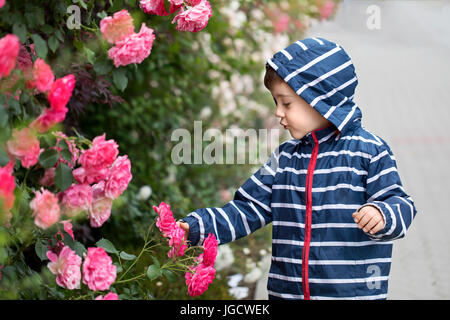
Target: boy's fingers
[(364, 219), (372, 223), (357, 215), (378, 227)]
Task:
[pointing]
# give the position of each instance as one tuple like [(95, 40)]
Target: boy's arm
[(249, 210), (384, 191)]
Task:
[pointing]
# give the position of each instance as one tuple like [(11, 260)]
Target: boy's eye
[(286, 104)]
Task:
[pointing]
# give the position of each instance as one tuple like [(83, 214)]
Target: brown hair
[(271, 77)]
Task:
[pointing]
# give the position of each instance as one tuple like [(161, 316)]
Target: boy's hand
[(185, 227), (369, 219)]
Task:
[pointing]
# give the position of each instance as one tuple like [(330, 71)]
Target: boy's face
[(295, 114)]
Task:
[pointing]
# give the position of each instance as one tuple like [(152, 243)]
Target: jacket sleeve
[(384, 191), (249, 210)]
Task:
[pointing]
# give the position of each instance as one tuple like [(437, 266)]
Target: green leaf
[(90, 55), (102, 67), (155, 261), (41, 250), (53, 43), (80, 249), (66, 155), (153, 272), (63, 176), (20, 30), (107, 245), (4, 158), (14, 106), (120, 78), (48, 158), (40, 46), (169, 275), (127, 256), (3, 117)]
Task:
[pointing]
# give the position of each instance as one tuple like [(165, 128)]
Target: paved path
[(404, 94)]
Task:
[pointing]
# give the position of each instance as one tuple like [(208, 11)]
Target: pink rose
[(90, 175), (157, 6), (66, 267), (326, 10), (199, 281), (109, 296), (165, 221), (43, 77), (48, 119), (117, 27), (2, 3), (98, 271), (25, 146), (77, 198), (9, 50), (7, 186), (177, 242), (60, 92), (45, 208), (100, 209), (67, 226), (119, 177), (208, 257), (101, 155), (134, 48), (194, 19)]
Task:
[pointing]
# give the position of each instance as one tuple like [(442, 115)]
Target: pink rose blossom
[(157, 6), (282, 23), (98, 270), (165, 221), (2, 3), (9, 50), (90, 175), (43, 77), (208, 257), (60, 92), (117, 27), (194, 19), (134, 48), (67, 226), (102, 154), (66, 267), (119, 177), (77, 198), (48, 119), (177, 242), (100, 209), (326, 10), (199, 281), (109, 296), (7, 186), (45, 208), (25, 146)]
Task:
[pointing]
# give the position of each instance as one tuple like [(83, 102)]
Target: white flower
[(246, 251), (234, 279), (263, 252), (144, 193), (239, 292), (225, 257), (253, 275)]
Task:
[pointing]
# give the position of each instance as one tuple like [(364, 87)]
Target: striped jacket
[(309, 188)]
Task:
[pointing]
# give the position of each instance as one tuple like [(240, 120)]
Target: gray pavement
[(404, 94)]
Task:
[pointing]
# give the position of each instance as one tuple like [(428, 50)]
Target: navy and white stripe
[(354, 168)]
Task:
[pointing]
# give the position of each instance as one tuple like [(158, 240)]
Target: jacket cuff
[(194, 230), (386, 217)]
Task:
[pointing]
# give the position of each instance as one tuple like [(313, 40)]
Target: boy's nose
[(279, 112)]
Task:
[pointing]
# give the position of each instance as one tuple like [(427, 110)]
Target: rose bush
[(62, 195)]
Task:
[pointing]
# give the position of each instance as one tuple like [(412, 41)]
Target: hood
[(321, 73)]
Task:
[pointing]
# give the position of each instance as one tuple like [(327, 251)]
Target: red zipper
[(308, 203)]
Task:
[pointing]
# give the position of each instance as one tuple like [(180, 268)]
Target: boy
[(333, 193)]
